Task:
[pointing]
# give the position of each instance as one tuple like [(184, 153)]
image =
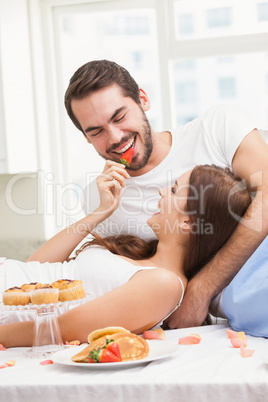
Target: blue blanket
[(245, 300)]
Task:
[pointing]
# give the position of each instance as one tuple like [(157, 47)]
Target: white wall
[(21, 215)]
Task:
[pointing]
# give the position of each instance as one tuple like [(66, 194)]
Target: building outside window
[(186, 24), (219, 17), (227, 88), (262, 9)]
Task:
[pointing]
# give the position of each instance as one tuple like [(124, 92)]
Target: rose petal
[(237, 342), (151, 335), (233, 334), (246, 352), (197, 336), (73, 343), (3, 366), (2, 347), (46, 362), (242, 335), (189, 340), (160, 332), (10, 362)]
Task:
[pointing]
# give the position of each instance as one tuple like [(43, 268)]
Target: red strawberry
[(114, 348), (127, 156), (109, 353), (108, 357)]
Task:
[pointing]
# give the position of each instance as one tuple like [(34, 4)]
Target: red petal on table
[(2, 347), (238, 342), (4, 366), (197, 336), (246, 352), (242, 335), (46, 362), (151, 335), (10, 362), (189, 340), (161, 332), (233, 334), (73, 343)]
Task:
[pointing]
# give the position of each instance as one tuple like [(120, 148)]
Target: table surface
[(213, 370)]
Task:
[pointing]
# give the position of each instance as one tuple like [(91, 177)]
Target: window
[(128, 25), (219, 17), (262, 11), (209, 18), (186, 24), (227, 88), (186, 92)]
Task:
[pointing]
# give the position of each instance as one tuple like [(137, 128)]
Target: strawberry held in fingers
[(127, 156)]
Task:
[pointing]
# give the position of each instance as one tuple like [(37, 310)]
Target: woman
[(135, 284)]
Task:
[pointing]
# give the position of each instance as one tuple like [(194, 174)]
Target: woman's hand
[(110, 184)]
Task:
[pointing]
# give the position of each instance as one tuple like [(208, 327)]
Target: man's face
[(112, 123)]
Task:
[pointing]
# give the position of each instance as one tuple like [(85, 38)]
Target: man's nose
[(115, 134)]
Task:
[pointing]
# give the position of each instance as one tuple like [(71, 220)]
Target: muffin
[(45, 294), (72, 290), (42, 285), (15, 297), (57, 284), (29, 286)]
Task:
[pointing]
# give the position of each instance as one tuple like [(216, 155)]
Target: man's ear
[(145, 101)]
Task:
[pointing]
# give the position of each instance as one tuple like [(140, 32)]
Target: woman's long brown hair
[(216, 202)]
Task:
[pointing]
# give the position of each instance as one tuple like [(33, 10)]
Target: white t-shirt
[(212, 138), (99, 269)]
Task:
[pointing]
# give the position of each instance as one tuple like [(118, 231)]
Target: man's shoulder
[(215, 113)]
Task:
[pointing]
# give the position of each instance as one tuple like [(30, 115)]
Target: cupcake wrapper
[(16, 298), (73, 293), (44, 296)]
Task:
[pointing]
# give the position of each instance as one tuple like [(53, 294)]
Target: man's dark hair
[(95, 75)]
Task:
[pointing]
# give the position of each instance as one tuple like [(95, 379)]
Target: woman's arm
[(138, 305), (59, 247)]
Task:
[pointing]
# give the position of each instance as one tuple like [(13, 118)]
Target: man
[(106, 104)]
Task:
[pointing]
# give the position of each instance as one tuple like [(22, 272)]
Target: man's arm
[(251, 163)]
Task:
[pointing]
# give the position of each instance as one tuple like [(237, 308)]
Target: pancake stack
[(132, 347)]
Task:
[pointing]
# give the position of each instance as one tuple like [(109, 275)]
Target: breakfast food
[(45, 294), (29, 286), (40, 293), (72, 290), (59, 283), (127, 156), (93, 336), (131, 346), (16, 296), (109, 353)]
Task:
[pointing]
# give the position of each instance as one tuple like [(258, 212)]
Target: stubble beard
[(148, 145)]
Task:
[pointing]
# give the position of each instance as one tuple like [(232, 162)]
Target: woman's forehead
[(184, 179)]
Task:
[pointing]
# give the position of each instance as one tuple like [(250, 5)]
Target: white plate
[(159, 349)]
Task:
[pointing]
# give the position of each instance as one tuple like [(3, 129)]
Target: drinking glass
[(47, 337)]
